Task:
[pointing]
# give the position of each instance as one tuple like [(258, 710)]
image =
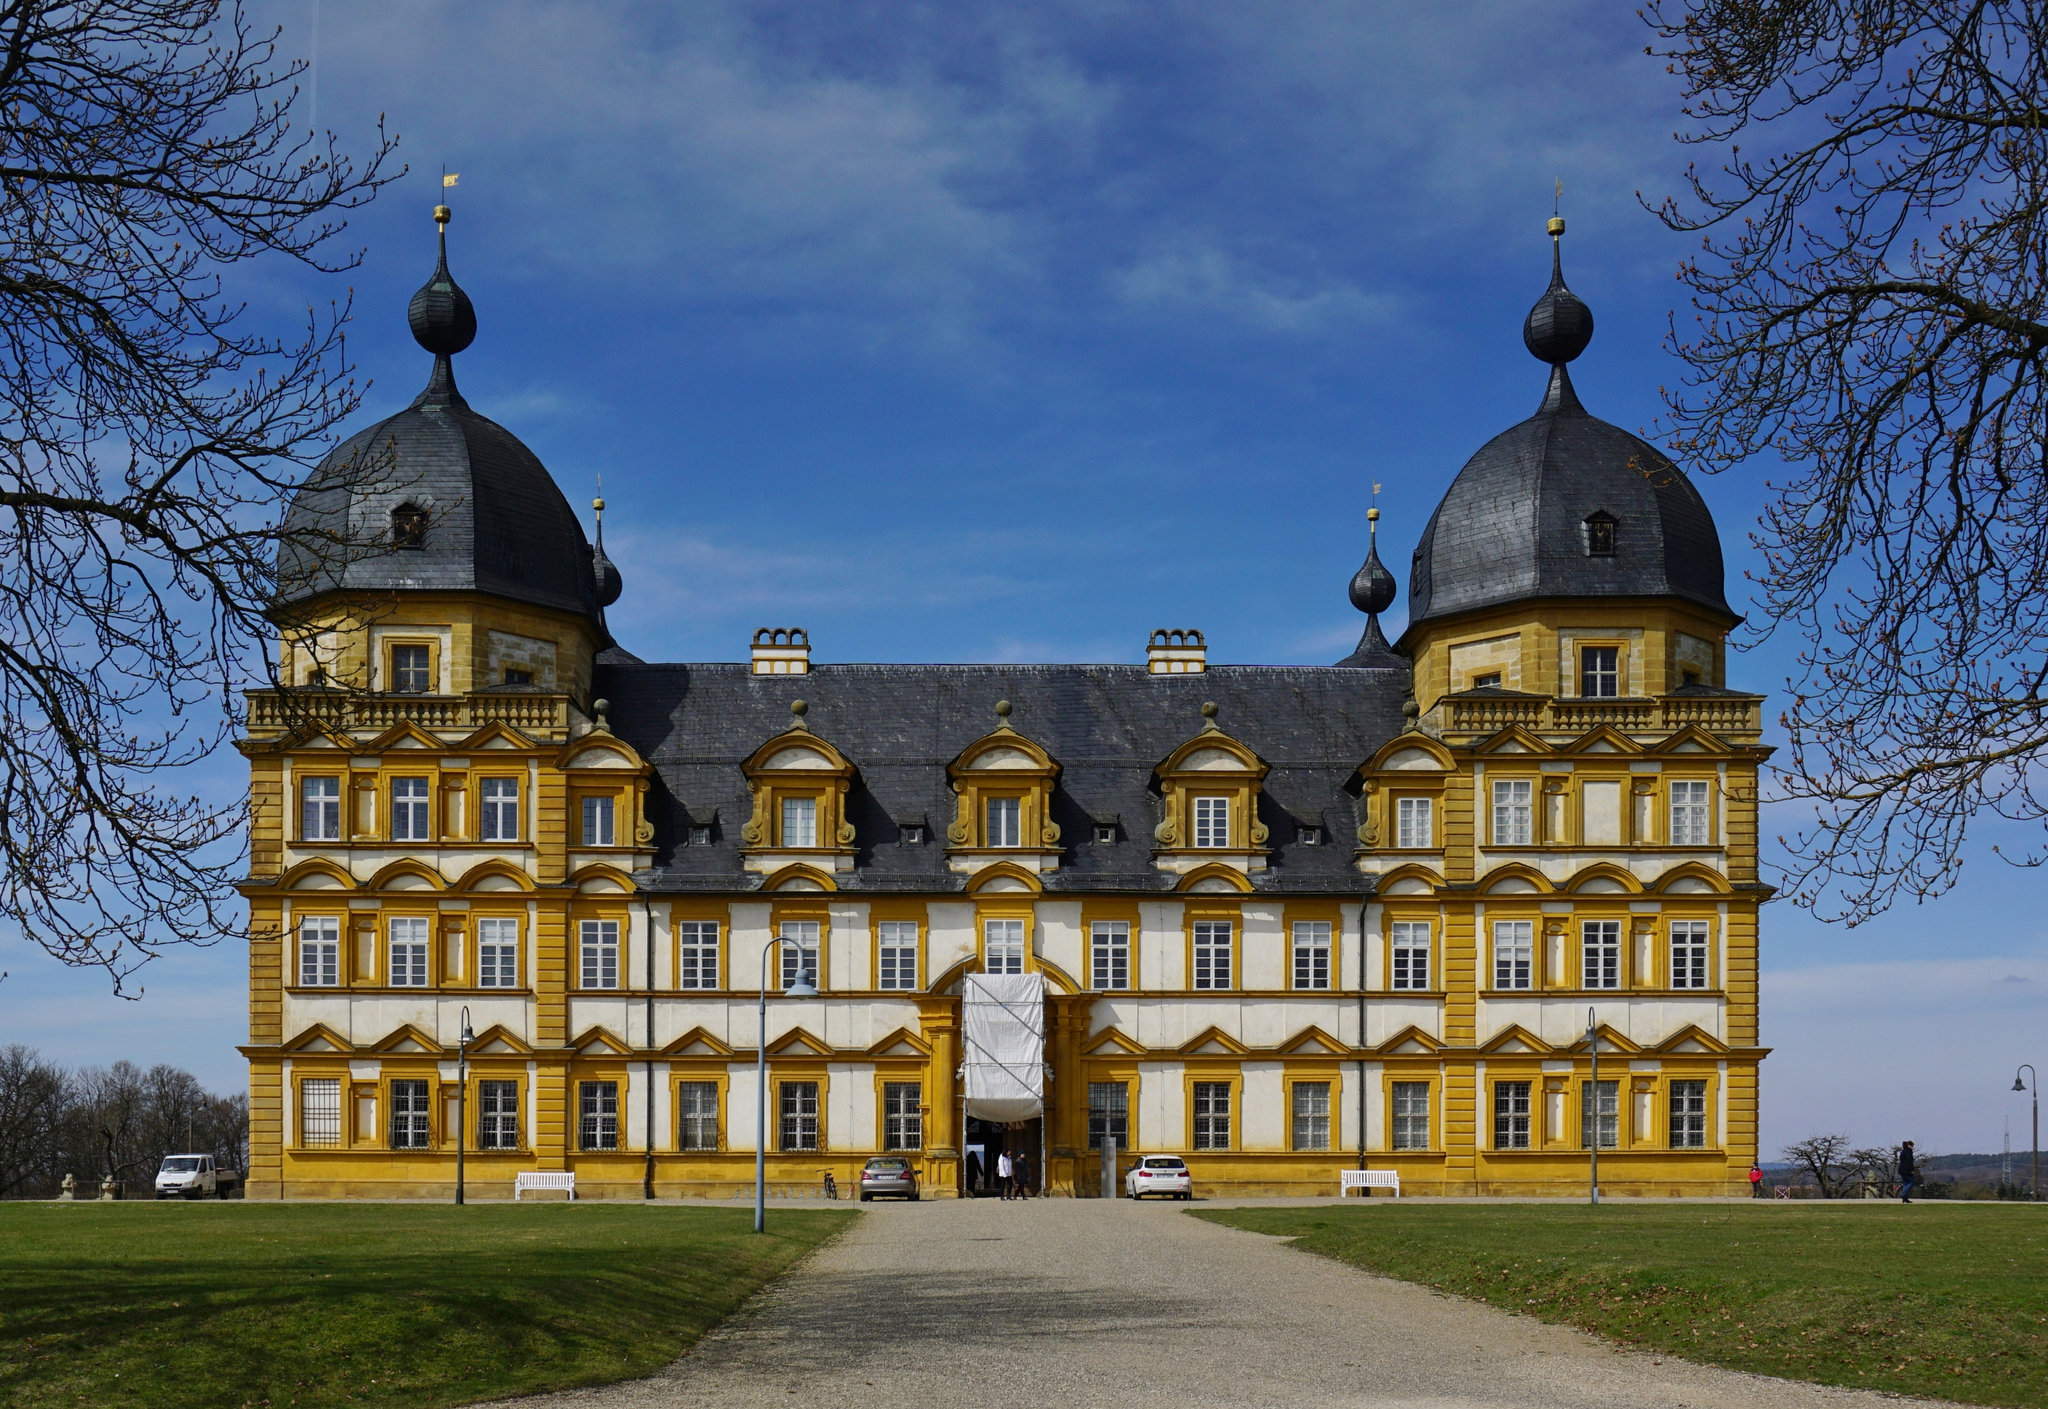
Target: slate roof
[(1108, 726)]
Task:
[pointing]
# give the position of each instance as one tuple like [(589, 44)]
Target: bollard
[(1109, 1189)]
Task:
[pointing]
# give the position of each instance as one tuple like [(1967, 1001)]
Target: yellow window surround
[(797, 765), (1000, 767), (1211, 764)]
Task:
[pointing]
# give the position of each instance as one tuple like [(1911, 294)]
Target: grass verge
[(1942, 1300), (240, 1304)]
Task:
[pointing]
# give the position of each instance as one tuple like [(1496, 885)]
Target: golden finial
[(442, 215), (1372, 515), (1556, 209)]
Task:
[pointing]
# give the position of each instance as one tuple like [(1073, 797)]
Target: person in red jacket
[(1756, 1180)]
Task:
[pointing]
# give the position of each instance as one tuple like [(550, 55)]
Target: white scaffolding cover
[(1003, 1022)]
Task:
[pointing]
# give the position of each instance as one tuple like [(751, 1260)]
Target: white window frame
[(413, 800), (1600, 954), (799, 823), (498, 803), (497, 1115), (1415, 823), (1412, 1126), (1003, 819), (320, 809), (1609, 1100), (696, 954), (1514, 955), (1311, 1105), (597, 1115), (1109, 955), (1599, 679), (1409, 969), (320, 1111), (801, 954), (902, 1116), (1002, 946), (597, 948), (1211, 1124), (896, 955), (1514, 812), (1691, 954), (1691, 814), (497, 953), (408, 949), (1512, 1103), (1312, 955), (399, 671), (797, 1126), (1212, 822), (411, 1125), (696, 1115), (600, 820), (320, 951), (1212, 954), (1688, 1114)]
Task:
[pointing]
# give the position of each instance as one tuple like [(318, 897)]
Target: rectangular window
[(409, 670), (597, 821), (1312, 954), (320, 1111), (800, 822), (409, 1115), (497, 954), (1212, 953), (1415, 822), (1311, 1115), (598, 1111), (1601, 948), (1514, 943), (697, 1115), (1002, 820), (1600, 672), (1513, 814), (1511, 1115), (902, 1116), (1689, 815), (1411, 954), (500, 803), (1688, 1115), (1003, 946), (801, 953), (600, 948), (497, 1115), (1109, 1114), (1411, 1115), (1212, 821), (1212, 1115), (1606, 1104), (696, 954), (320, 809), (408, 953), (320, 951), (1109, 950), (799, 1115), (411, 810), (896, 950), (1689, 954)]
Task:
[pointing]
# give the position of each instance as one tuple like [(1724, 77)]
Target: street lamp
[(803, 987), (1592, 1114), (461, 1096), (2034, 1188)]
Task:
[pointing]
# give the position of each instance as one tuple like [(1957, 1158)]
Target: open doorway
[(988, 1139)]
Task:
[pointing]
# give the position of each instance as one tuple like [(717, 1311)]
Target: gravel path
[(1059, 1302)]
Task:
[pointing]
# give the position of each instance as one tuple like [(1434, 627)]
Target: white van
[(187, 1176)]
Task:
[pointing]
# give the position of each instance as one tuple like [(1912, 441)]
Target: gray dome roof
[(494, 519)]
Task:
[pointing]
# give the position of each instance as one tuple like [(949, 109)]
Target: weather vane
[(1372, 515), (448, 179)]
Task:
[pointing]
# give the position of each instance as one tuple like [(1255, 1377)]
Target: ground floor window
[(599, 1108), (1311, 1115), (1212, 1115), (320, 1111), (1411, 1115), (1108, 1114), (408, 1115), (902, 1116), (697, 1115), (497, 1115), (799, 1115), (1511, 1115), (1688, 1115), (1605, 1105)]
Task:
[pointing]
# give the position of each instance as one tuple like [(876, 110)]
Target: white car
[(1159, 1174), (186, 1176)]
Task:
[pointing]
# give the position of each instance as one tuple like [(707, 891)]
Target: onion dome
[(438, 498), (604, 576), (1565, 505), (1372, 592)]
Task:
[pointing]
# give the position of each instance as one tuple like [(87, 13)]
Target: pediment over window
[(1003, 787), (798, 784), (1210, 789)]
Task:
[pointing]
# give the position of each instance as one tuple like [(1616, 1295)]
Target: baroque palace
[(1284, 920)]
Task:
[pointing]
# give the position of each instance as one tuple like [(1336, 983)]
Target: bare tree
[(34, 1097), (149, 434), (1872, 308), (1826, 1158)]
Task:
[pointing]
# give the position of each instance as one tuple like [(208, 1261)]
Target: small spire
[(1560, 325), (603, 575), (443, 321), (1372, 592)]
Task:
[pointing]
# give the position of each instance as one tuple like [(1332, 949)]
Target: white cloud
[(1201, 280)]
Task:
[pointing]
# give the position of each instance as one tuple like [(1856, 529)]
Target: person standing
[(1909, 1173), (1006, 1173), (1756, 1180), (1023, 1169)]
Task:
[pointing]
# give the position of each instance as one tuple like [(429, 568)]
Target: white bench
[(565, 1180), (1368, 1180)]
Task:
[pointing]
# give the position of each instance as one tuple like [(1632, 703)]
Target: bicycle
[(831, 1185)]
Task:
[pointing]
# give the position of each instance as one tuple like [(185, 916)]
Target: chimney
[(1179, 652), (782, 650)]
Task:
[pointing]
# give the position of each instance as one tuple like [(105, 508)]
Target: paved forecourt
[(1105, 1302)]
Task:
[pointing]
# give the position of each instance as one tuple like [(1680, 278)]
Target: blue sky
[(1012, 335)]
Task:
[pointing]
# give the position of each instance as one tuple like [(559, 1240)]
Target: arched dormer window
[(408, 526), (1004, 786), (1210, 787), (799, 784), (1599, 530)]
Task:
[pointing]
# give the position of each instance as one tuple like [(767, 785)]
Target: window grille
[(409, 670), (1688, 1115), (1002, 820), (1600, 672), (1109, 963), (409, 953), (320, 951), (1514, 944), (1212, 1115), (1108, 1114), (1212, 821), (409, 1115), (497, 1115), (1513, 813), (1003, 946), (1689, 954), (902, 1116), (1689, 815), (801, 953), (799, 822), (799, 1115), (1311, 1115), (896, 947), (696, 954), (1606, 1102), (598, 1109), (1411, 954), (1312, 954), (497, 953), (1212, 953), (408, 526), (1415, 823), (1601, 946), (411, 810), (320, 1111), (1599, 535), (500, 805), (1411, 1115), (697, 1115), (320, 809), (597, 821), (600, 946), (1511, 1115)]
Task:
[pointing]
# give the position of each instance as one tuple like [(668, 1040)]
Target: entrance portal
[(987, 1139)]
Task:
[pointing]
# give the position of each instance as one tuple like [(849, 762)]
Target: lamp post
[(804, 987), (1593, 1111), (461, 1096), (2034, 1184)]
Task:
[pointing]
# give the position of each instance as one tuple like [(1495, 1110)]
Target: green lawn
[(1949, 1300), (197, 1305)]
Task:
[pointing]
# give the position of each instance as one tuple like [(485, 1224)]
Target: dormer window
[(1309, 836), (799, 823), (518, 677), (1599, 534), (912, 834), (1212, 822), (1003, 821), (1105, 833), (408, 526)]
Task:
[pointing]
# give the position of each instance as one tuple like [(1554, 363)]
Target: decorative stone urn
[(70, 1193)]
